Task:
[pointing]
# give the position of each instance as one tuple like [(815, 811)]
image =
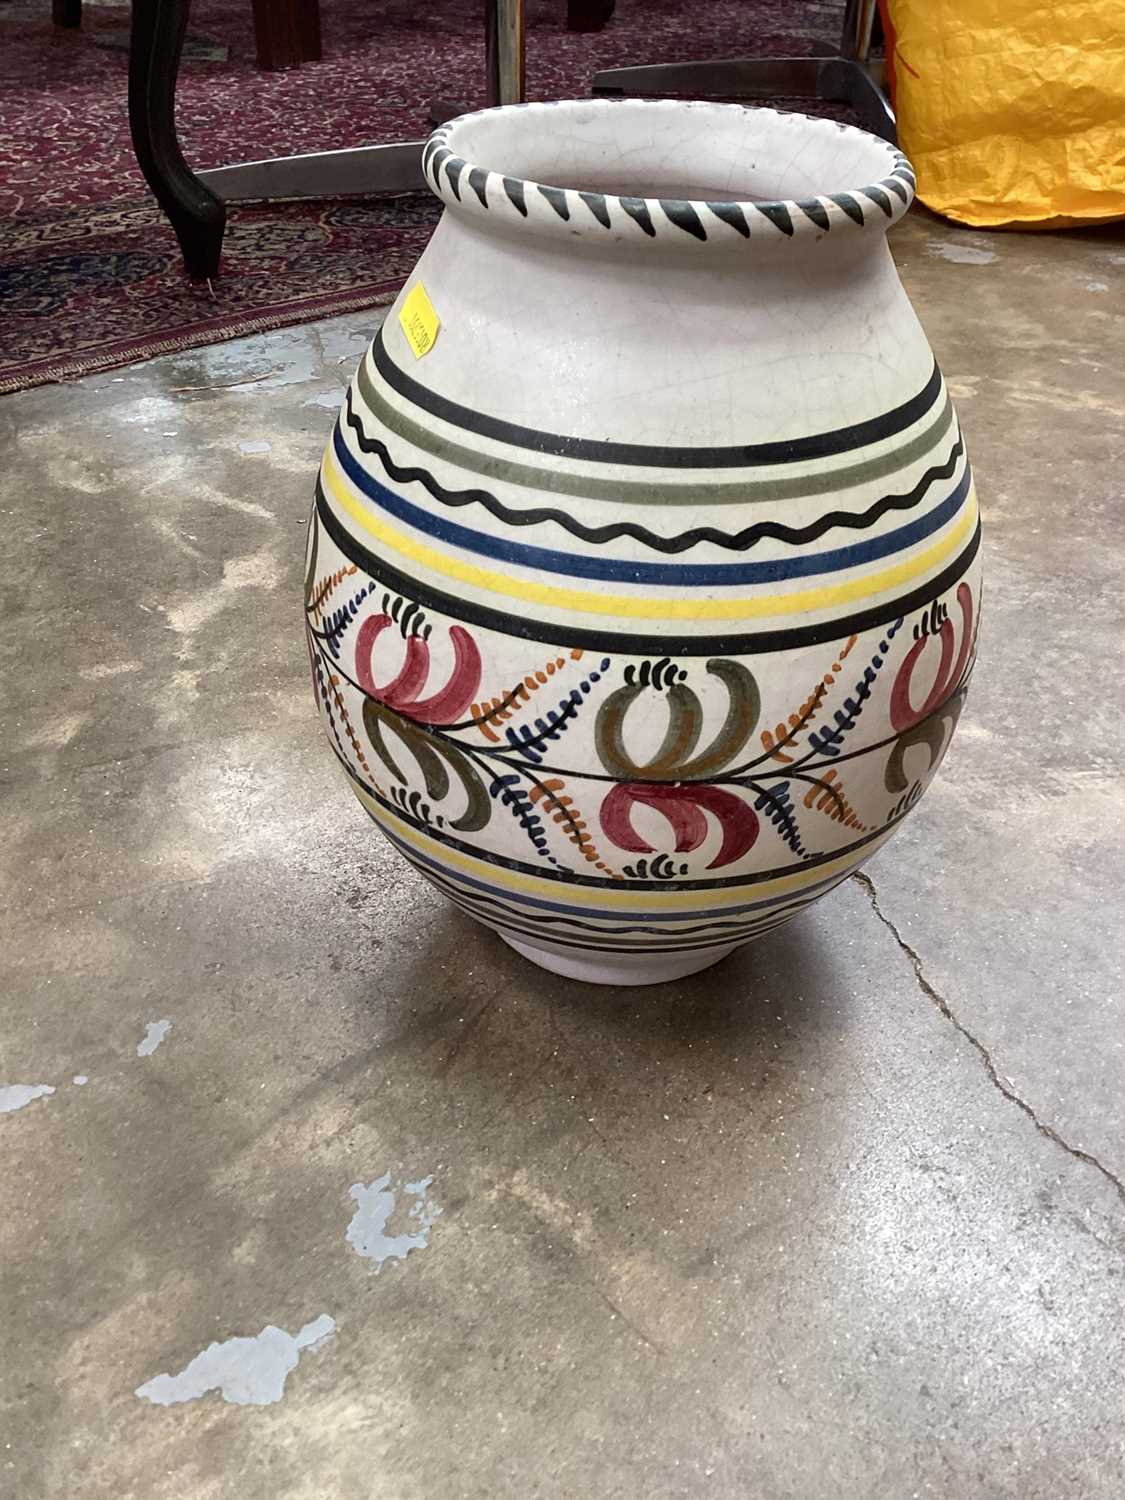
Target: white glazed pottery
[(642, 582)]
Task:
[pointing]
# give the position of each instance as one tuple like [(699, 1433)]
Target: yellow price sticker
[(420, 322)]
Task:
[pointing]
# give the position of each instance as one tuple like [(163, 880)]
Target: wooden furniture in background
[(195, 212), (286, 33), (588, 15), (195, 202), (849, 76)]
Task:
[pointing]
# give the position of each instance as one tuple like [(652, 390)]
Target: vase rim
[(473, 164)]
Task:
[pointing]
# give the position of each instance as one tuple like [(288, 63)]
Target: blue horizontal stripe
[(491, 910), (667, 575)]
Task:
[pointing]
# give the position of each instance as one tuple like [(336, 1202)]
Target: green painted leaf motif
[(435, 758), (314, 547), (675, 759), (934, 732)]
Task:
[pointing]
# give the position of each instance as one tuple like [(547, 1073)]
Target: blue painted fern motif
[(510, 794), (531, 740), (325, 697), (337, 621), (777, 804), (829, 740)]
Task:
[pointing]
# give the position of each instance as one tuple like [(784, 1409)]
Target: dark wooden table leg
[(66, 12), (308, 29), (286, 33), (588, 15), (195, 212)]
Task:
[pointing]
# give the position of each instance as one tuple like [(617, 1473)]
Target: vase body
[(643, 584)]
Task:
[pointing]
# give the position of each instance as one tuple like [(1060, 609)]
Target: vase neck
[(646, 177)]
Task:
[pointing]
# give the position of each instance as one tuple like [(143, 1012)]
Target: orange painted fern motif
[(561, 810), (774, 742), (353, 739), (827, 796), (326, 586), (489, 713)]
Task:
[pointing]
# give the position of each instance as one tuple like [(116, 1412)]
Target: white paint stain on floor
[(367, 1232), (255, 445), (108, 669), (960, 255), (245, 1371), (155, 1032), (14, 1096), (55, 733), (80, 1079), (257, 570)]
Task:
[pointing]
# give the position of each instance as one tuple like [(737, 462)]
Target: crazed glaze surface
[(641, 609)]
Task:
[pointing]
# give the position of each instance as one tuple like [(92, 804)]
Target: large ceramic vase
[(643, 579)]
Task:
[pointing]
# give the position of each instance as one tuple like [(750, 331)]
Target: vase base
[(618, 968)]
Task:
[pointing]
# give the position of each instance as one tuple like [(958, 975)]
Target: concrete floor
[(844, 1217)]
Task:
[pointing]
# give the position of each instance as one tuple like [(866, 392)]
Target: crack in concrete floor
[(994, 1074)]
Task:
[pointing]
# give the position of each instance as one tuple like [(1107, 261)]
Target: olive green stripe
[(647, 491)]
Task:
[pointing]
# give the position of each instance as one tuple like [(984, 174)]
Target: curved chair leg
[(195, 212)]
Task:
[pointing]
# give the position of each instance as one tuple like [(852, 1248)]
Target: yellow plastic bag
[(1012, 111)]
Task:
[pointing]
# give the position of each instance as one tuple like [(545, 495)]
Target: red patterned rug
[(90, 271)]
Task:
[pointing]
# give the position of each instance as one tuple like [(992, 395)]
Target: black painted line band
[(737, 931), (663, 635), (649, 492), (786, 451), (620, 948), (571, 878), (741, 541)]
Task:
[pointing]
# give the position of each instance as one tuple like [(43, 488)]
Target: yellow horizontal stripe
[(626, 606), (576, 895)]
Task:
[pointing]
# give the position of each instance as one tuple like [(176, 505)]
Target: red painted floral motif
[(683, 806), (903, 714), (401, 693)]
